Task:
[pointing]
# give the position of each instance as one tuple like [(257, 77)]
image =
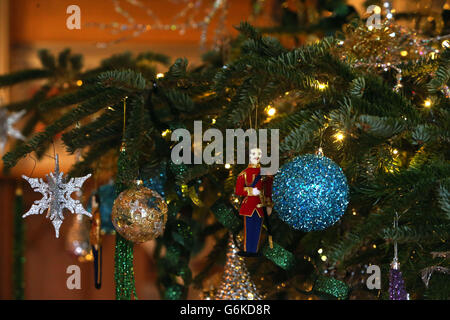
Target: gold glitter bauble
[(139, 214)]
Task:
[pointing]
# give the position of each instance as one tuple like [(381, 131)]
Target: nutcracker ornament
[(256, 205)]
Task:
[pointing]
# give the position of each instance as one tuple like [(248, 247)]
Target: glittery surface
[(236, 282), (310, 192), (397, 289), (173, 292), (139, 214), (331, 287), (123, 269), (225, 215), (157, 182), (107, 195), (280, 256), (56, 196), (7, 122)]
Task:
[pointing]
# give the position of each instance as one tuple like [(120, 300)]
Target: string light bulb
[(427, 103), (160, 75), (165, 132), (227, 166), (271, 111), (339, 136), (79, 83)]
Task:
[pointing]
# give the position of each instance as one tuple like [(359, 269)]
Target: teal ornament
[(310, 192), (107, 195), (157, 182)]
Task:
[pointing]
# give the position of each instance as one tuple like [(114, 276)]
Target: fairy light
[(445, 44), (213, 121), (165, 132), (339, 136), (320, 85), (320, 251), (323, 258), (427, 103), (227, 166), (395, 151), (271, 111), (403, 53), (79, 83), (160, 75)]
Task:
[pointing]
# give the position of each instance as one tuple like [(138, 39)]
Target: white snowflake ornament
[(6, 126), (56, 196)]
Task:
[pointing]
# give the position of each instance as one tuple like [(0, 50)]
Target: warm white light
[(321, 86), (271, 111), (339, 136), (160, 75), (165, 132), (227, 166)]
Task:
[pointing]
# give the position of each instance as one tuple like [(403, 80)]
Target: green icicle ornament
[(123, 256), (123, 269)]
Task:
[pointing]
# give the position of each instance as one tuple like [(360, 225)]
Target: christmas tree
[(375, 100)]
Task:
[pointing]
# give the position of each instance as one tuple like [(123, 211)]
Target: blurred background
[(107, 28)]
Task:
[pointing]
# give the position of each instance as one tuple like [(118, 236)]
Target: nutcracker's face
[(255, 155)]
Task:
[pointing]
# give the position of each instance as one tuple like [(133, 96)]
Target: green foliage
[(394, 151)]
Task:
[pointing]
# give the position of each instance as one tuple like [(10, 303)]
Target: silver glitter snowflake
[(56, 196), (6, 126)]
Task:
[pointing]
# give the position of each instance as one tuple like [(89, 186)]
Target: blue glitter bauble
[(157, 182), (107, 195), (310, 192)]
